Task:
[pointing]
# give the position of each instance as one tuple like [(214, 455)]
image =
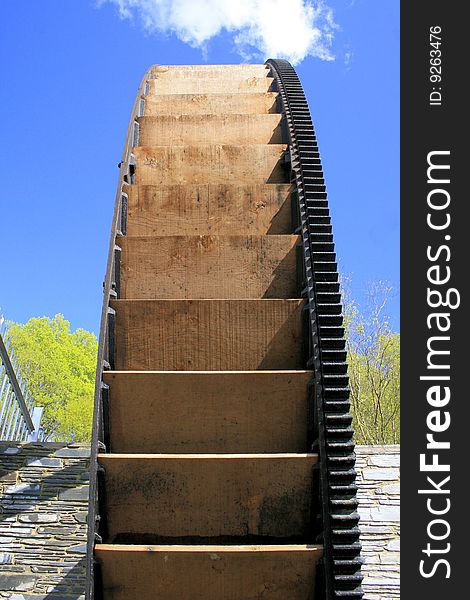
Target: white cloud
[(291, 29)]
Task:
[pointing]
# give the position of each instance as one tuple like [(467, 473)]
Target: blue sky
[(70, 71)]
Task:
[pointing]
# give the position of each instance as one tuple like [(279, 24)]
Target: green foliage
[(59, 367), (374, 369)]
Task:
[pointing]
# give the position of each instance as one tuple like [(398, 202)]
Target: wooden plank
[(221, 164), (212, 411), (154, 498), (194, 130), (234, 71), (204, 209), (211, 85), (208, 266), (211, 104), (208, 573), (208, 335)]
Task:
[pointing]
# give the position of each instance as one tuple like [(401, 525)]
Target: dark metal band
[(106, 346)]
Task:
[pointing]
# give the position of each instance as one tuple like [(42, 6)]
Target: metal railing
[(19, 417)]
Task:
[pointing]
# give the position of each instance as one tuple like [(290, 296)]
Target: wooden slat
[(221, 164), (220, 72), (211, 104), (207, 335), (211, 85), (160, 497), (209, 266), (204, 209), (201, 412), (194, 130), (208, 573)]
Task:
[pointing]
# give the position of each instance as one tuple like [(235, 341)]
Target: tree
[(374, 368), (59, 368)]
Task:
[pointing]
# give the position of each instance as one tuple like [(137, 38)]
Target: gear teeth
[(340, 526)]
